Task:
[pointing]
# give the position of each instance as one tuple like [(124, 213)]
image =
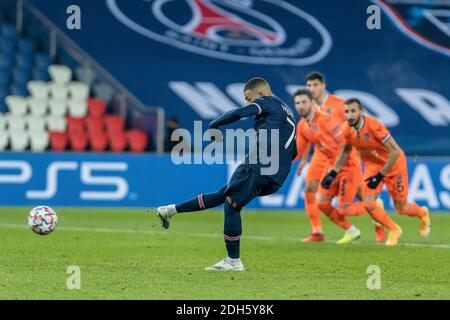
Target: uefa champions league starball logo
[(250, 31)]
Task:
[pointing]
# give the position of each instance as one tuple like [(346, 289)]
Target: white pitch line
[(216, 235)]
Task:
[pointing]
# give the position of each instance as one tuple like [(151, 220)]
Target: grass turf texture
[(125, 254)]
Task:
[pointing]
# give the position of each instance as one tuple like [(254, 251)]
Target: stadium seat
[(26, 45), (21, 74), (94, 124), (35, 124), (78, 141), (98, 141), (97, 107), (7, 45), (58, 107), (19, 140), (5, 76), (2, 123), (77, 108), (114, 123), (38, 89), (39, 140), (58, 91), (38, 107), (6, 60), (78, 90), (42, 60), (60, 74), (3, 107), (4, 139), (24, 60), (58, 141), (117, 141), (40, 74), (56, 123), (75, 125), (137, 140), (104, 92), (19, 89), (15, 123), (9, 31), (85, 75), (18, 106)]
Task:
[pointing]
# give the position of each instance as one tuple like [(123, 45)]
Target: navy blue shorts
[(246, 183)]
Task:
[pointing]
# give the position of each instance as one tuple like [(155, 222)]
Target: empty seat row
[(44, 90), (32, 123), (21, 140), (110, 123), (135, 140), (18, 105)]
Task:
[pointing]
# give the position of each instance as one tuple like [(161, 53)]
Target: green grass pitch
[(125, 254)]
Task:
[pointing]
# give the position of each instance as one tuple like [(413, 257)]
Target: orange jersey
[(369, 140), (325, 133), (334, 106)]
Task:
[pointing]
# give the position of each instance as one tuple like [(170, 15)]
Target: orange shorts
[(345, 186), (317, 165), (396, 180)]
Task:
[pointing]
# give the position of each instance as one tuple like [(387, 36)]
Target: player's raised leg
[(201, 202)]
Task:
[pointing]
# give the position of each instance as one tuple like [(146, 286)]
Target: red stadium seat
[(94, 124), (58, 141), (78, 141), (118, 141), (114, 123), (137, 140), (98, 141), (75, 125), (96, 107)]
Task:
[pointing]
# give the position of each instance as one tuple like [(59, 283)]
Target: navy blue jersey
[(275, 118)]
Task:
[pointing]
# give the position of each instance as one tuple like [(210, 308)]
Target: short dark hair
[(354, 100), (304, 92), (256, 83), (315, 75)]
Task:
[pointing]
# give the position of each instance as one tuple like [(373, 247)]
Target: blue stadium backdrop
[(169, 54)]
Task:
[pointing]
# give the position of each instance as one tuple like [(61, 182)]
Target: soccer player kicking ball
[(250, 179), (384, 163)]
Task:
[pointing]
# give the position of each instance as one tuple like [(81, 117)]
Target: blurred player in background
[(325, 133), (248, 181), (334, 106), (384, 163)]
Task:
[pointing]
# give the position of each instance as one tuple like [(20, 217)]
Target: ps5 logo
[(87, 178)]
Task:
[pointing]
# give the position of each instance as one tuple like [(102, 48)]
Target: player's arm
[(394, 152), (236, 114), (339, 163), (345, 149), (303, 149), (342, 158)]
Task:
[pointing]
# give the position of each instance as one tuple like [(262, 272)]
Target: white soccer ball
[(42, 220)]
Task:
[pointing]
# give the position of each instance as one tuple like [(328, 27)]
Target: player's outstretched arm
[(234, 115)]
